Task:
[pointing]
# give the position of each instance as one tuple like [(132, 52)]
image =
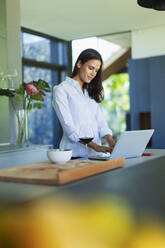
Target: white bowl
[(59, 156)]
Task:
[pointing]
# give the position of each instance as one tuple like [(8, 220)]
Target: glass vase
[(22, 138)]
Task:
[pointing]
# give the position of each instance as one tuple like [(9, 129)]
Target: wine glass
[(86, 135)]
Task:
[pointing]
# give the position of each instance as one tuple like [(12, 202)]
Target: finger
[(106, 150)]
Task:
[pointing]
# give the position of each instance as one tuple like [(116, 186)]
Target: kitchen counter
[(141, 182), (12, 155)]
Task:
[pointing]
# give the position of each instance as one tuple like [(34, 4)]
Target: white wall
[(4, 103), (10, 59), (148, 42), (13, 35)]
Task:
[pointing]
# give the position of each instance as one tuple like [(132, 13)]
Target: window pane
[(62, 52), (116, 102), (40, 121), (43, 123), (36, 47)]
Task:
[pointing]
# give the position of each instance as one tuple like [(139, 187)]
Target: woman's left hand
[(99, 148), (110, 141)]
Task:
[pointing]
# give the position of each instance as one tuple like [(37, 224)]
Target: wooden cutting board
[(56, 174)]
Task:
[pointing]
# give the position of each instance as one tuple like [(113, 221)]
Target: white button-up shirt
[(76, 111)]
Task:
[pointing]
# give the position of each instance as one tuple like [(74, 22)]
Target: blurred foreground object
[(64, 223), (153, 4)]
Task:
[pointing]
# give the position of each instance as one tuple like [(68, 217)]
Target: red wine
[(86, 140)]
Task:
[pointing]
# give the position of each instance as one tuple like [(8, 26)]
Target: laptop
[(130, 144)]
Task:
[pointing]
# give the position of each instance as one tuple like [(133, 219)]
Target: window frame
[(57, 132)]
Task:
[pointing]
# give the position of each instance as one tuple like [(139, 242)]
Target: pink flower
[(42, 94), (32, 89)]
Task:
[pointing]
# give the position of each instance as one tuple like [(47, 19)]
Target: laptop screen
[(131, 143)]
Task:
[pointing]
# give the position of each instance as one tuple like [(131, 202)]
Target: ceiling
[(75, 19)]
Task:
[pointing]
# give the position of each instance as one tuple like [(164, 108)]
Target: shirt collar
[(76, 84)]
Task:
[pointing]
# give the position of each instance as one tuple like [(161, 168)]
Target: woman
[(76, 102)]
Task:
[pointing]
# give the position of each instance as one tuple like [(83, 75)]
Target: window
[(116, 102), (44, 57)]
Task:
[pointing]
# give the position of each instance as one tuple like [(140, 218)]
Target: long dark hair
[(95, 88)]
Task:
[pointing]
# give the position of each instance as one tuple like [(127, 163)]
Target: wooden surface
[(56, 174)]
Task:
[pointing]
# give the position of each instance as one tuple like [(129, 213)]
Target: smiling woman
[(76, 103), (88, 71)]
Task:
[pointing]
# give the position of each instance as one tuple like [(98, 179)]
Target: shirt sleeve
[(61, 106), (102, 124)]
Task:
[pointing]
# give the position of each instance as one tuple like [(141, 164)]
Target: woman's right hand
[(99, 148)]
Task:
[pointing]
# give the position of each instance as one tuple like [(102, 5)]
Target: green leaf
[(47, 90), (7, 92), (20, 90), (37, 97), (29, 106), (18, 98), (37, 105), (42, 84)]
